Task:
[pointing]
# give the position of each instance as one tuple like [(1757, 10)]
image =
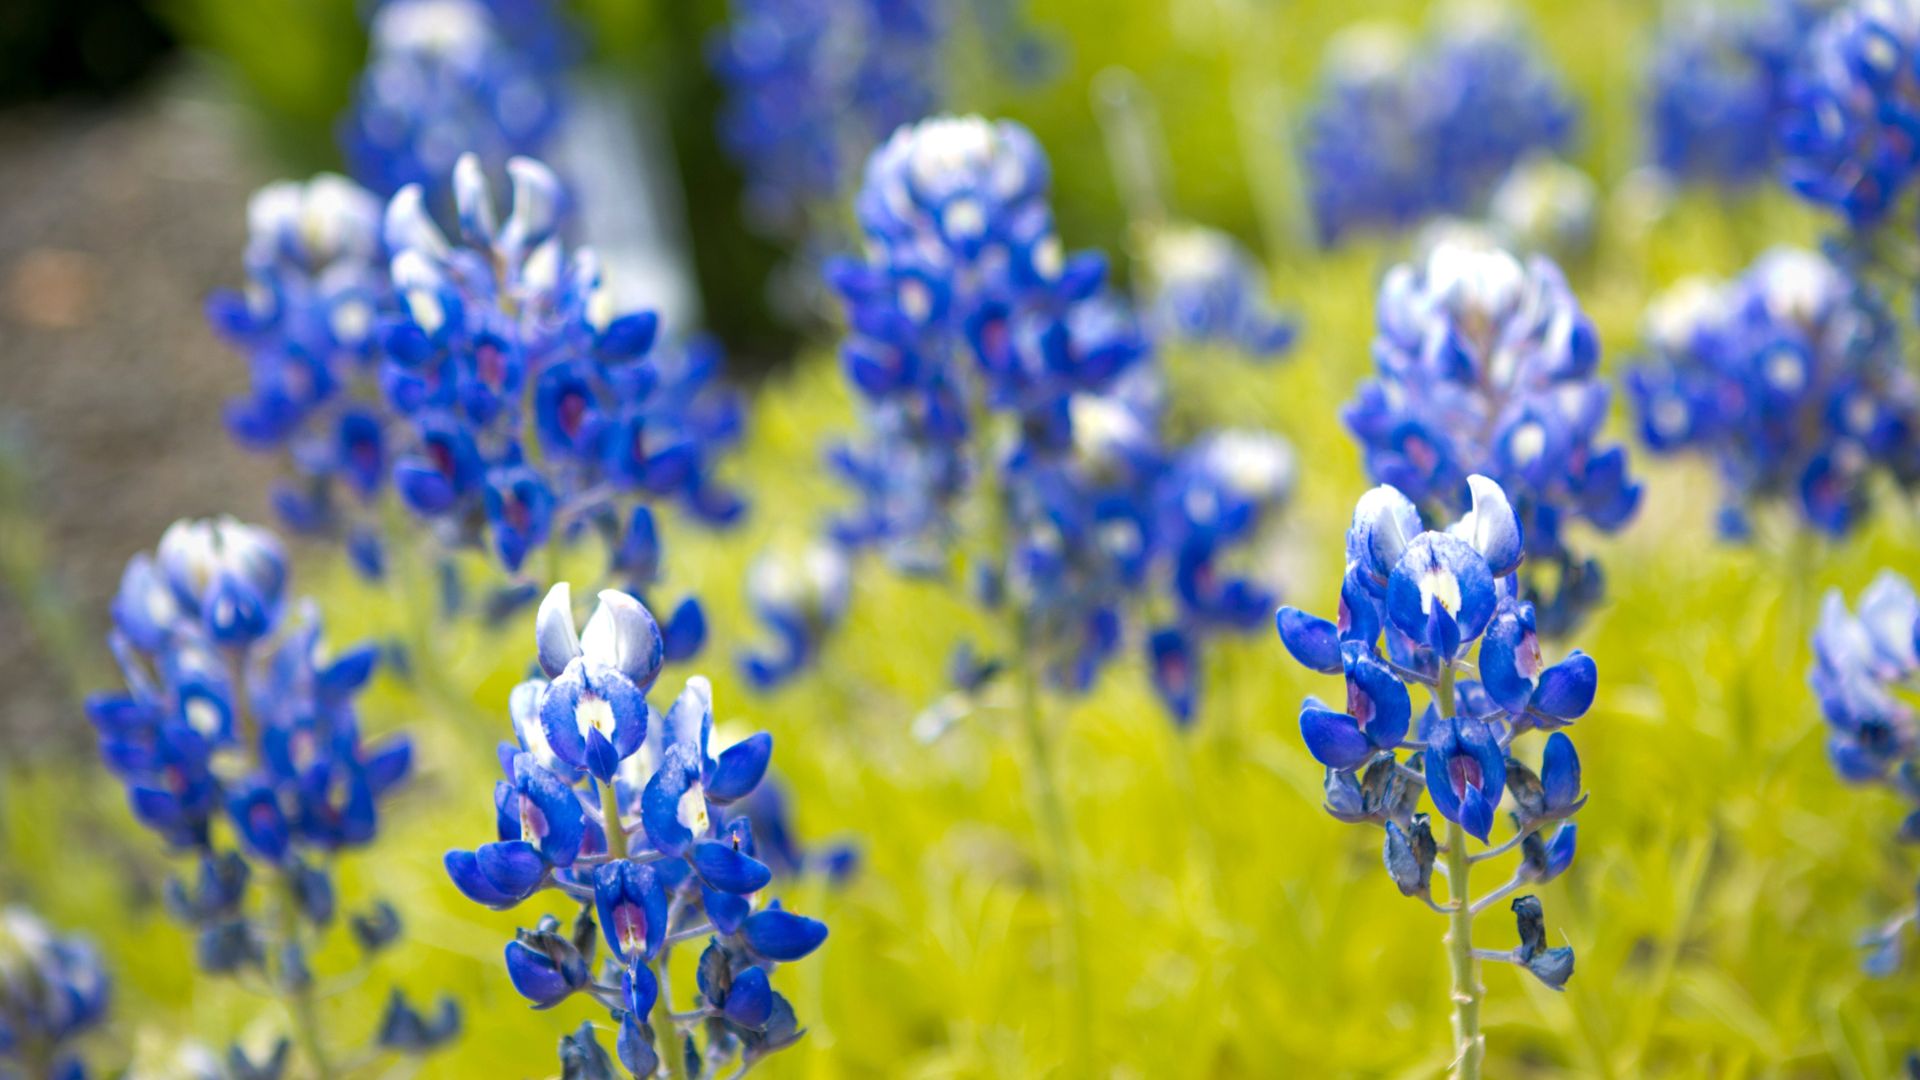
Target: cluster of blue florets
[(52, 991), (640, 818), (1402, 132), (1012, 414), (1208, 290), (1790, 378), (492, 380), (1433, 596), (445, 78), (1488, 365), (1718, 88), (814, 86), (1864, 664), (239, 743), (1850, 127)]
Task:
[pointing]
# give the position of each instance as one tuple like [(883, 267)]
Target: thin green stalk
[(665, 1032), (302, 1006), (1470, 1044), (1057, 833)]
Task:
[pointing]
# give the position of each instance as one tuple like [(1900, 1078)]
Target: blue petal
[(781, 935), (660, 801), (534, 975), (740, 768), (726, 911), (558, 714), (1476, 814), (1560, 771), (1509, 657), (1560, 850), (1313, 641), (497, 875), (728, 870), (1384, 523), (1492, 527), (1377, 694), (1333, 738), (556, 644), (1441, 592), (750, 999), (1567, 688)]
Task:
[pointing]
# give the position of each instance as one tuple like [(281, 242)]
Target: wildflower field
[(991, 536)]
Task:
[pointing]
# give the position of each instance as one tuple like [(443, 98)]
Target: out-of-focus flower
[(1790, 378), (1406, 130)]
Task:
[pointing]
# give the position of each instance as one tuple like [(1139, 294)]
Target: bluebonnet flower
[(239, 742), (800, 596), (491, 380), (1850, 129), (446, 78), (307, 321), (1488, 365), (1436, 599), (53, 990), (1403, 131), (638, 818), (1865, 665), (1790, 377), (1013, 416), (813, 86), (1207, 289), (536, 410), (1717, 87)]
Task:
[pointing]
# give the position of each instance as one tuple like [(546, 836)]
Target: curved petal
[(1311, 640), (1560, 772), (740, 768), (727, 869), (1492, 527), (1567, 688), (1333, 738), (781, 935), (554, 639)]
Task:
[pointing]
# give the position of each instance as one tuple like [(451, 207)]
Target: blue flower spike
[(1446, 604), (631, 814), (235, 707)]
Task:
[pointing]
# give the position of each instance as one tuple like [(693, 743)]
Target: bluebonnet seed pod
[(1488, 365), (1552, 966), (1790, 378), (53, 990), (1406, 130), (450, 77), (1409, 855), (638, 818)]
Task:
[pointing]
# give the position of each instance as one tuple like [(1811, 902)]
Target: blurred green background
[(1234, 929)]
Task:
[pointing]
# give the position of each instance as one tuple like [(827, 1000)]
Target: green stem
[(1057, 833), (666, 1033), (610, 813), (1470, 1045), (302, 1006)]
